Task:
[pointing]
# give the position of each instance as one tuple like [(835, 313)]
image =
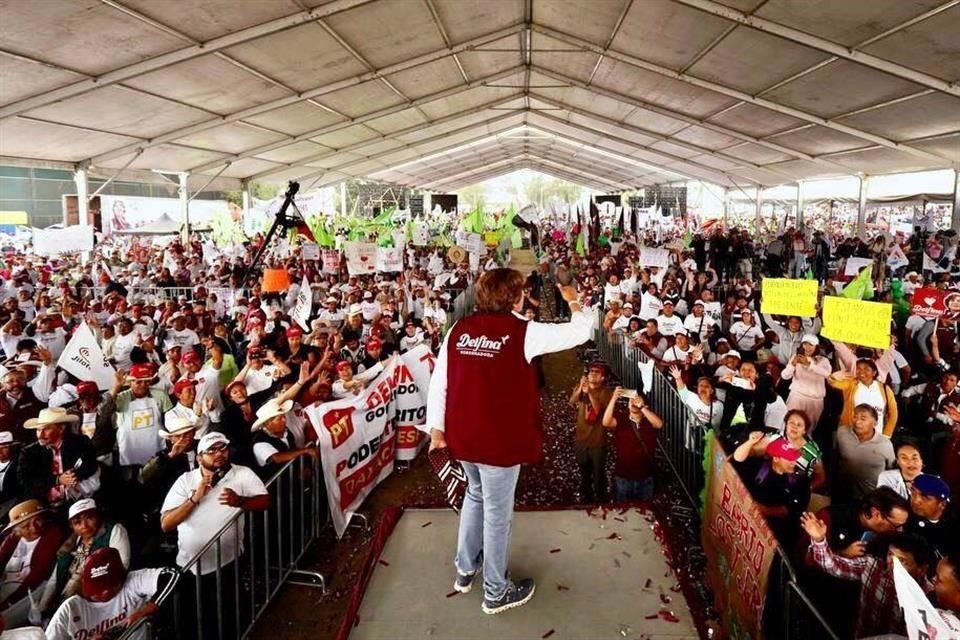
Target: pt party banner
[(739, 547), (360, 437)]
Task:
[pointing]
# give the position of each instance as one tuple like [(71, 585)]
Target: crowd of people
[(112, 492), (852, 454)]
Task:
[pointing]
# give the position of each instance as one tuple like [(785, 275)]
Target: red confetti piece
[(453, 593), (426, 524), (384, 563), (548, 634), (669, 616), (619, 519), (557, 550)]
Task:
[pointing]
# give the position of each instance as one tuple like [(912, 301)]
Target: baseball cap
[(628, 306), (190, 357), (781, 448), (811, 339), (931, 485), (87, 387), (374, 343), (78, 507), (183, 383), (142, 372), (668, 302), (294, 332), (103, 571), (698, 302), (368, 295), (344, 364), (681, 332), (210, 440), (735, 354), (6, 438)]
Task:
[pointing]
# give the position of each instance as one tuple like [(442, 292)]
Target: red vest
[(493, 397)]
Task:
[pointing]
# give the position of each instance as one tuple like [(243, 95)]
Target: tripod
[(282, 221)]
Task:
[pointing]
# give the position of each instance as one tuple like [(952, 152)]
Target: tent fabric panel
[(232, 138), (294, 152), (296, 119), (427, 79), (928, 115), (167, 157), (818, 140), (585, 19), (362, 98), (931, 46), (213, 18), (20, 138), (20, 79)]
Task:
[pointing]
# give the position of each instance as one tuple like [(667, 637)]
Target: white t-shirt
[(650, 306), (873, 396), (775, 415), (79, 619), (122, 346), (700, 325), (185, 338), (612, 292), (9, 343), (676, 354), (55, 341), (745, 335), (669, 325), (208, 517)]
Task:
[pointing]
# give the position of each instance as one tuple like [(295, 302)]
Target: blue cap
[(931, 485)]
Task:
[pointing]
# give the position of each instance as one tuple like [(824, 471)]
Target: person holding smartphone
[(635, 441)]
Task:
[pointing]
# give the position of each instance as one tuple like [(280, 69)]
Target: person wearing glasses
[(198, 506)]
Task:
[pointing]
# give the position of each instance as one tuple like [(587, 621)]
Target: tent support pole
[(800, 220), (862, 208), (759, 189), (184, 209), (955, 216)]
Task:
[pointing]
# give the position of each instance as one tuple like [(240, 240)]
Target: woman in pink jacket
[(808, 372)]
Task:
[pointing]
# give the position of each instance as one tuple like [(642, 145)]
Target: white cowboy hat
[(271, 409), (177, 425), (53, 415)]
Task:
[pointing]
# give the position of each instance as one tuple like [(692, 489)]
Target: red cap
[(87, 388), (183, 383), (141, 372), (344, 364), (234, 383), (781, 448), (190, 357), (374, 343), (103, 571), (294, 332)]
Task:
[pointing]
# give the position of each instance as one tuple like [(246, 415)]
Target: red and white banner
[(361, 257), (928, 302), (923, 621), (361, 436)]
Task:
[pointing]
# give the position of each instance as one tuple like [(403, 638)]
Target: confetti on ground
[(616, 562), (426, 524), (453, 593), (563, 532), (619, 519), (665, 599), (562, 587), (384, 563), (627, 554), (557, 550), (648, 583), (653, 616), (668, 615), (548, 633)]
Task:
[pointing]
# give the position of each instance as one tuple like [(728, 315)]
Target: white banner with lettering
[(923, 620), (389, 259), (359, 436), (303, 306), (83, 358), (650, 257), (421, 234), (55, 242)]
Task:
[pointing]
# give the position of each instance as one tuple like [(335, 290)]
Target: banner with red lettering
[(359, 436), (739, 546), (412, 406)]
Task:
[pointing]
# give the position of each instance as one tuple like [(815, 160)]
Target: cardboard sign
[(788, 297), (650, 257), (739, 546), (713, 310), (896, 258), (389, 259), (469, 241), (361, 257), (310, 251), (421, 234), (331, 261), (928, 302), (857, 321), (854, 265)]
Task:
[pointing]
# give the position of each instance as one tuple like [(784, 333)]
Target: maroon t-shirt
[(636, 445)]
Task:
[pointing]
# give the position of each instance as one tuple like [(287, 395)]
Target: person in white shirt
[(370, 308), (206, 377), (138, 416), (698, 324), (621, 324), (628, 286), (745, 335), (331, 314), (110, 599), (435, 313), (681, 354), (124, 342), (188, 409), (412, 336), (612, 290), (10, 335), (201, 503), (179, 333), (650, 304), (668, 323)]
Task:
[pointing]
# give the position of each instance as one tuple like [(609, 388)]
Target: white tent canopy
[(613, 94)]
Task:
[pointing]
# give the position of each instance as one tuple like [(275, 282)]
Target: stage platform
[(599, 576)]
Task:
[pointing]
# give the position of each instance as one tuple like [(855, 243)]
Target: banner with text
[(389, 259), (857, 321), (310, 251), (739, 546), (55, 242), (83, 358), (650, 257), (303, 306), (412, 403), (928, 303), (788, 297)]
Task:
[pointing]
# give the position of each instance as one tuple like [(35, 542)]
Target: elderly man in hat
[(61, 466), (331, 314), (28, 555), (930, 514), (187, 407), (93, 421), (201, 503), (110, 599), (273, 444), (138, 415), (90, 531)]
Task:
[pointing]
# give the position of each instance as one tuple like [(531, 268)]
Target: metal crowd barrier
[(789, 613), (228, 598), (681, 438)]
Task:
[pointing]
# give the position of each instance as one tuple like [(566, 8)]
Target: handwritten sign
[(650, 257), (739, 546), (788, 297), (857, 321), (361, 257), (310, 251), (855, 264)]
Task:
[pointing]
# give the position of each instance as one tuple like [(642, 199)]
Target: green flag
[(580, 249), (861, 287)]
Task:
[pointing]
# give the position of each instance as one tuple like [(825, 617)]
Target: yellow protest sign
[(857, 321), (788, 297)]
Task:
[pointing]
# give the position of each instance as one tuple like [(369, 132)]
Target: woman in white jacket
[(909, 466)]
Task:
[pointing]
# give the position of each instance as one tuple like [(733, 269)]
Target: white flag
[(922, 619), (83, 358), (303, 306)]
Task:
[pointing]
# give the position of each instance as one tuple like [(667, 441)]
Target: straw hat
[(457, 254), (177, 425), (271, 409), (25, 511), (53, 415)]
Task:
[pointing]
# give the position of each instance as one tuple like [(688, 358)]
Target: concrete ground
[(597, 577)]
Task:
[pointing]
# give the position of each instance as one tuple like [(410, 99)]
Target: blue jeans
[(633, 489), (485, 522)]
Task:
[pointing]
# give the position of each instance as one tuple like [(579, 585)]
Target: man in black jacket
[(60, 466), (9, 462)]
